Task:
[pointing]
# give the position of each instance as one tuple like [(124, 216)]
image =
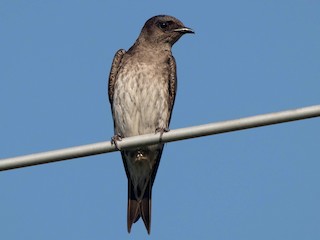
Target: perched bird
[(142, 89)]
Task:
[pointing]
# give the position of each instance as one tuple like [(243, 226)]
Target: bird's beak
[(183, 30)]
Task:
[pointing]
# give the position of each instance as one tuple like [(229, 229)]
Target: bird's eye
[(163, 25)]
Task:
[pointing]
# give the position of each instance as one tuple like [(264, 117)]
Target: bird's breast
[(141, 99)]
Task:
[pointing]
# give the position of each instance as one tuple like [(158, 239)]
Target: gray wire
[(172, 135)]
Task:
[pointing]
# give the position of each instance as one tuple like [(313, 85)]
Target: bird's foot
[(115, 139), (161, 131)]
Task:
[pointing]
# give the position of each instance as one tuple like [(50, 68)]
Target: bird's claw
[(115, 139), (161, 131)]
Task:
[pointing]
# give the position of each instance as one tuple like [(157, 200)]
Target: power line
[(172, 135)]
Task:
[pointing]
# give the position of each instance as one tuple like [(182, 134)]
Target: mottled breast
[(141, 96)]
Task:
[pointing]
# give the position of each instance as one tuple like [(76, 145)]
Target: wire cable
[(149, 139)]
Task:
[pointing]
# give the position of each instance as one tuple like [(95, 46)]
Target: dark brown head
[(163, 29)]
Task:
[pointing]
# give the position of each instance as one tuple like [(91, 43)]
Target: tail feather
[(133, 214), (145, 208), (139, 208)]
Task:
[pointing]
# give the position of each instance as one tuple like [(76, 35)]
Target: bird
[(142, 89)]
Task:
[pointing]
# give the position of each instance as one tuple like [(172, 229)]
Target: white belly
[(140, 101)]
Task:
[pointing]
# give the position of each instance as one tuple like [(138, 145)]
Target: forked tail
[(139, 208)]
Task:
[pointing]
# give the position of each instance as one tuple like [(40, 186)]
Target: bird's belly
[(140, 105)]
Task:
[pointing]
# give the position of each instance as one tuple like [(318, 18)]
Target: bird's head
[(163, 29)]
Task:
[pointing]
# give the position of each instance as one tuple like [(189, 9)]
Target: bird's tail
[(139, 207)]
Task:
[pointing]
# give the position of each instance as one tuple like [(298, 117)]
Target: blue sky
[(246, 58)]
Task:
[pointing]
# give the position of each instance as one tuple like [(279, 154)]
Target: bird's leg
[(161, 131), (115, 139)]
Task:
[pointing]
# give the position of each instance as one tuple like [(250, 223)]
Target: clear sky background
[(246, 58)]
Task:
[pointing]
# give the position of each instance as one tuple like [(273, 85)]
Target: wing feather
[(172, 84), (116, 64)]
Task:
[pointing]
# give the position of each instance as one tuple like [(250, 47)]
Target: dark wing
[(113, 73), (172, 84)]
